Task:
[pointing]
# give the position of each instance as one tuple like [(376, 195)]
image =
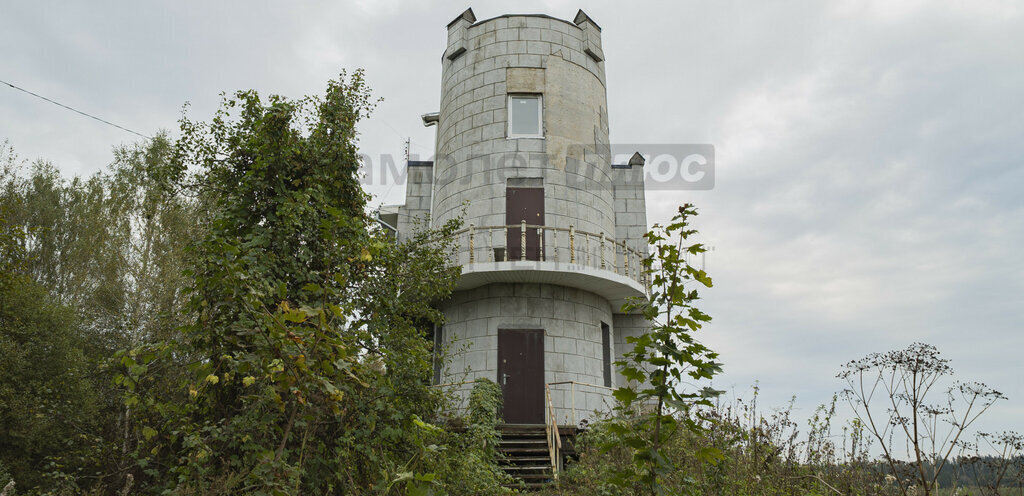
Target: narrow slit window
[(606, 352), (524, 116), (438, 345)]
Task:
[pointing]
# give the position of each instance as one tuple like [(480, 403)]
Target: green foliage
[(485, 403), (48, 402), (659, 361), (470, 466), (111, 250), (759, 455), (111, 246), (306, 356)]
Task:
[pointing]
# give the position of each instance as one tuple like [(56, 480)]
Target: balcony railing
[(478, 244)]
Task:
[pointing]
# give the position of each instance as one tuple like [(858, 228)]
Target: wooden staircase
[(525, 452)]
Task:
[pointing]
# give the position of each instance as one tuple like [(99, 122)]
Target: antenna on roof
[(408, 142)]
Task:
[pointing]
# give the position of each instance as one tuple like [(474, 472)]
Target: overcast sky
[(869, 189)]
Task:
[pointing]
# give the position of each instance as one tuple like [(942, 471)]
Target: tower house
[(552, 241)]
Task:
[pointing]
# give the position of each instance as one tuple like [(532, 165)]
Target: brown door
[(521, 374), (524, 204)]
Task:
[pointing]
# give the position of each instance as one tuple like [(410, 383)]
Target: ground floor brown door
[(521, 374), (524, 204)]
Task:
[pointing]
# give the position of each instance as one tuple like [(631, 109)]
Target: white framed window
[(525, 116)]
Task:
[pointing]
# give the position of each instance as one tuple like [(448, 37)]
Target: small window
[(606, 351), (524, 116), (438, 348)]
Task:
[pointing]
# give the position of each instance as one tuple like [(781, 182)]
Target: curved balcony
[(527, 253)]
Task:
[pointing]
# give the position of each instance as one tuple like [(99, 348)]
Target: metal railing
[(554, 437), (572, 393), (475, 244)]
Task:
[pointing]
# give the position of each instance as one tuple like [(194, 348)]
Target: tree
[(48, 400), (110, 251), (111, 245), (307, 365), (901, 381), (662, 359)]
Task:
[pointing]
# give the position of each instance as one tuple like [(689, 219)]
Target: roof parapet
[(467, 15), (457, 37), (591, 36), (637, 160), (582, 17)]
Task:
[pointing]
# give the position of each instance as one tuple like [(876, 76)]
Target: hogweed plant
[(891, 394)]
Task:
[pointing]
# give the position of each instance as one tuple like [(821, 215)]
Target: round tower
[(551, 247)]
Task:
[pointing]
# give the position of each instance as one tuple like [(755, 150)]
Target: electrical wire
[(76, 110)]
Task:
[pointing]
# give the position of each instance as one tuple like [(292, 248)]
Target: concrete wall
[(532, 54), (563, 61), (415, 214), (631, 225), (626, 325), (571, 319), (630, 206)]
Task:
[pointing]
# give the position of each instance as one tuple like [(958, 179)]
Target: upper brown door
[(521, 374), (524, 204)]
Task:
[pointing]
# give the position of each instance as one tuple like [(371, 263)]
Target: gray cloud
[(868, 189)]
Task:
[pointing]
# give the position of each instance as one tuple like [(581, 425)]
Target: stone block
[(539, 307), (493, 131), (473, 82), (554, 361), (565, 345), (517, 47), (495, 290), (527, 290), (513, 306), (529, 34), (531, 61), (495, 75), (523, 79), (485, 38), (507, 35), (496, 49), (494, 103), (538, 47), (483, 92), (476, 360), (483, 118), (538, 22), (551, 36)]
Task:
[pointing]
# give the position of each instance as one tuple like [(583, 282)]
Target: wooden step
[(526, 455)]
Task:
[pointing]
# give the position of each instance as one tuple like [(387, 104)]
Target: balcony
[(526, 253)]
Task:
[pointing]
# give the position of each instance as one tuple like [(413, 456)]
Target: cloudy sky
[(869, 189)]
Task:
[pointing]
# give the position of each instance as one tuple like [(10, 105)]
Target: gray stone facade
[(565, 293), (415, 214), (570, 317)]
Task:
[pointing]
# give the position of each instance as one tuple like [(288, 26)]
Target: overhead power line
[(76, 110)]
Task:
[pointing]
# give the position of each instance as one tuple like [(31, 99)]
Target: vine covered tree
[(304, 350)]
